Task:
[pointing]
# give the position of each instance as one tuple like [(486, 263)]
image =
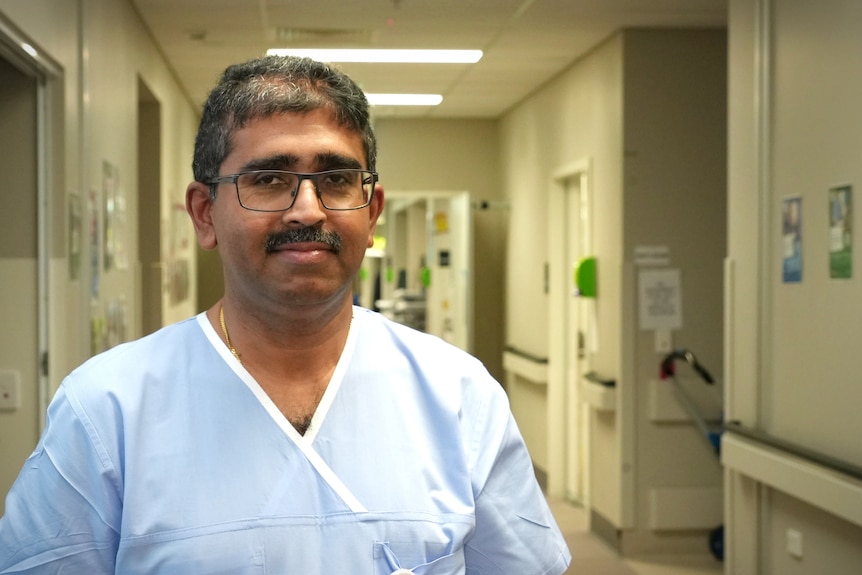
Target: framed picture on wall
[(841, 232)]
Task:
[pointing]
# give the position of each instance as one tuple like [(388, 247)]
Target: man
[(283, 430)]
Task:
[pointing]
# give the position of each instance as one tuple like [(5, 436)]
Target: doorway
[(150, 209), (28, 95), (419, 271), (572, 332)]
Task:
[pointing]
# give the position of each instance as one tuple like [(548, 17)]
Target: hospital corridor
[(637, 216)]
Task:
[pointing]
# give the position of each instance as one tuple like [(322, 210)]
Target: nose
[(306, 206)]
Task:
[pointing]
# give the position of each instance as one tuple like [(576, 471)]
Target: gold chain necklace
[(226, 335)]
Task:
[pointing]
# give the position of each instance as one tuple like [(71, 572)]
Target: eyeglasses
[(276, 190)]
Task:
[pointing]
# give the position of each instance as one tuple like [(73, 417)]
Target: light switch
[(10, 390), (794, 543), (663, 341)]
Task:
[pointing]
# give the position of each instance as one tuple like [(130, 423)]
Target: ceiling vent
[(329, 37)]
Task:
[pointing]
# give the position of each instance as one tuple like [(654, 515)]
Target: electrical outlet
[(794, 543), (10, 390)]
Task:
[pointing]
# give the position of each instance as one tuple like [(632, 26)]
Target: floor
[(592, 556)]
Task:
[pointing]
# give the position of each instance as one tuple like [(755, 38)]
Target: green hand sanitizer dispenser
[(585, 277)]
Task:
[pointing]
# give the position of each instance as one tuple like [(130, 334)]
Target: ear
[(375, 208), (199, 205)]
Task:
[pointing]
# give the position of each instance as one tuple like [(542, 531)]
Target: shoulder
[(406, 357), (129, 366), (406, 339), (395, 346)]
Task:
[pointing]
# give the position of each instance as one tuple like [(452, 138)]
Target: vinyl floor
[(592, 556)]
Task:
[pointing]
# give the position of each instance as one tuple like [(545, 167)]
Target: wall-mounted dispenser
[(585, 277)]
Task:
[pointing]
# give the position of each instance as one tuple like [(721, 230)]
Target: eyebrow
[(333, 161), (275, 162), (324, 161)]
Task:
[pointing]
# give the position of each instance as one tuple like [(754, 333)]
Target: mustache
[(303, 235)]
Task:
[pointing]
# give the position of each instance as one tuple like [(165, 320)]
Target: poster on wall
[(840, 232), (93, 227), (791, 214), (660, 299), (114, 249), (109, 184), (75, 239)]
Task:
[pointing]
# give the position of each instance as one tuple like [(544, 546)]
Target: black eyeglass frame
[(302, 176)]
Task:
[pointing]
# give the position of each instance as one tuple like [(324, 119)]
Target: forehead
[(301, 135)]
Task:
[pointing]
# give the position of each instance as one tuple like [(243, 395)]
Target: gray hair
[(273, 85)]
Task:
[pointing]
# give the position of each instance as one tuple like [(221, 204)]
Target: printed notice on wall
[(660, 299), (840, 232), (791, 239)]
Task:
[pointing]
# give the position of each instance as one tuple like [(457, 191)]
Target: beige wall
[(646, 110), (792, 358), (577, 116), (675, 125), (93, 104)]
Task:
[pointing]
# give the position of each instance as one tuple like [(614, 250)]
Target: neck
[(288, 342)]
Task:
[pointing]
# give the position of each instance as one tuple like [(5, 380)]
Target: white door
[(570, 338), (577, 326)]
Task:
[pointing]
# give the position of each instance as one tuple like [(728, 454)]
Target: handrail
[(593, 377), (833, 463), (526, 355)]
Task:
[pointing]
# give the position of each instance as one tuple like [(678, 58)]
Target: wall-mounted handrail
[(833, 463), (525, 354), (525, 365)]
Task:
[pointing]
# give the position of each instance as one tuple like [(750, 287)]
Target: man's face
[(303, 273)]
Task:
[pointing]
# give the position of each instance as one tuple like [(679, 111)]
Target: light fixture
[(384, 56), (404, 99), (30, 49)]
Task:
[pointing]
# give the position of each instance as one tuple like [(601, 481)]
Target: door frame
[(24, 54), (568, 443)]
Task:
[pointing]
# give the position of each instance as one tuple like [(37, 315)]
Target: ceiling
[(526, 42)]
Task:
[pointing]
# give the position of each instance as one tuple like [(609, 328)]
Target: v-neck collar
[(276, 414), (303, 442)]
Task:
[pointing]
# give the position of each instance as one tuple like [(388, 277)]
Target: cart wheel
[(716, 542)]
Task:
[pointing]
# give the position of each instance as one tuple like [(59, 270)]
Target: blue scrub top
[(164, 456)]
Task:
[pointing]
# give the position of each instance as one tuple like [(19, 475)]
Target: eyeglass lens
[(276, 190)]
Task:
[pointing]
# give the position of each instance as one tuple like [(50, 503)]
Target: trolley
[(711, 431)]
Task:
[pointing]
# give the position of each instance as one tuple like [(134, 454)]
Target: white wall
[(102, 49), (792, 362)]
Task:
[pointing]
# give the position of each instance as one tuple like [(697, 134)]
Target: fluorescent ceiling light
[(384, 56), (29, 49), (404, 99)]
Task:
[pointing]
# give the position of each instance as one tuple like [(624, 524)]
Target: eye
[(271, 180), (338, 179)]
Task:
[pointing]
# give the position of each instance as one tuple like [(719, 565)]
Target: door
[(24, 250), (578, 334), (571, 338), (425, 264)]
